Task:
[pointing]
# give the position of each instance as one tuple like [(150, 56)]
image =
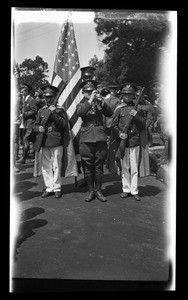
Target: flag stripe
[(71, 98), (72, 107), (73, 120), (65, 94), (76, 127)]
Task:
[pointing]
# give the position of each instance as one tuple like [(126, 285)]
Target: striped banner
[(67, 70)]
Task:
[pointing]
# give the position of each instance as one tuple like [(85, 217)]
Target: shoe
[(58, 194), (100, 196), (124, 195), (136, 197), (90, 196), (47, 194)]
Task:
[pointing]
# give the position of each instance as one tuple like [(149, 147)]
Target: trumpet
[(103, 92), (98, 95)]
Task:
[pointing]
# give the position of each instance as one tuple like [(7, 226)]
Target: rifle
[(121, 148), (39, 139)]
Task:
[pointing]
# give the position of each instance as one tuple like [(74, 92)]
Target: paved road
[(67, 238)]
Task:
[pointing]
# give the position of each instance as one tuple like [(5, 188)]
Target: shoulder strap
[(120, 106)]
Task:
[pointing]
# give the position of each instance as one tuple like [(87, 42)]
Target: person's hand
[(92, 96), (133, 112), (49, 129), (41, 129), (123, 136), (52, 107)]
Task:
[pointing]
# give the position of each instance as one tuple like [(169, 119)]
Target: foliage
[(33, 72), (134, 44)]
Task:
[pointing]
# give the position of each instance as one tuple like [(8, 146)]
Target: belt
[(92, 124)]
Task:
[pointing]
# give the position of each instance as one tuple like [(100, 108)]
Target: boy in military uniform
[(93, 147), (129, 163), (52, 144)]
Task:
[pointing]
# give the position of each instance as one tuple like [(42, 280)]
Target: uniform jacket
[(39, 102), (112, 101), (92, 129), (60, 135), (113, 164), (29, 113), (54, 129), (120, 119)]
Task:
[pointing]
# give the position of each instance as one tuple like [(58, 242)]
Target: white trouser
[(51, 167), (129, 165)]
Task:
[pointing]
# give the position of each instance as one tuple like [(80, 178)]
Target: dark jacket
[(39, 102), (29, 113), (120, 119), (112, 101), (54, 129), (92, 129)]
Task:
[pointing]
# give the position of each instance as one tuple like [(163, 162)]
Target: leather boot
[(90, 194), (98, 193), (23, 158)]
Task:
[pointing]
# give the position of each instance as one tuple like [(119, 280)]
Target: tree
[(134, 43), (33, 72), (101, 73)]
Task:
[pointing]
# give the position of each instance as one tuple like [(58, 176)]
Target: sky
[(37, 33)]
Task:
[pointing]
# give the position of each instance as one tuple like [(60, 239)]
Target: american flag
[(67, 70)]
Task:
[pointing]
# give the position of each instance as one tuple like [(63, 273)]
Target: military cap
[(87, 70), (129, 88), (88, 73), (113, 87), (89, 85), (26, 86), (49, 90)]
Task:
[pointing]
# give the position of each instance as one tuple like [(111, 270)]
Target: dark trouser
[(16, 142), (29, 136), (108, 134), (93, 156)]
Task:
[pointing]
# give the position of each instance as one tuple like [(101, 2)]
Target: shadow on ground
[(26, 226), (23, 187)]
